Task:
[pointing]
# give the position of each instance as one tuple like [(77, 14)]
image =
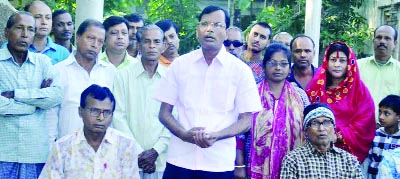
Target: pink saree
[(275, 131)]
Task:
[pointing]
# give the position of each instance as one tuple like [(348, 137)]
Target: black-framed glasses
[(316, 124), (275, 64), (94, 112), (236, 43)]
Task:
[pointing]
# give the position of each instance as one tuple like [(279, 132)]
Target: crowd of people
[(123, 103)]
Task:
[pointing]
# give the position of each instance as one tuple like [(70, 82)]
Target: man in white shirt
[(215, 95), (77, 72), (136, 112)]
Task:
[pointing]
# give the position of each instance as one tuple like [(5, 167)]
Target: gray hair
[(237, 29), (146, 28), (279, 34)]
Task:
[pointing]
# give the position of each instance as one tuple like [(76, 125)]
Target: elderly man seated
[(318, 158), (95, 151)]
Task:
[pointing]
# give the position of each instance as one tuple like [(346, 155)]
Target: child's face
[(388, 118)]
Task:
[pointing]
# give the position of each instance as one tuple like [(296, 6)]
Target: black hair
[(392, 102), (114, 20), (134, 18), (272, 49), (301, 35), (211, 9), (85, 25), (265, 25), (166, 24), (338, 47), (11, 19), (395, 31), (59, 12), (97, 92)]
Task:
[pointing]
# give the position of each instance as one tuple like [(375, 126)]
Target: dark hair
[(134, 17), (11, 19), (166, 24), (301, 35), (211, 9), (395, 31), (147, 27), (313, 106), (392, 102), (114, 20), (338, 47), (85, 25), (59, 12), (27, 6), (272, 49), (265, 25), (97, 92)]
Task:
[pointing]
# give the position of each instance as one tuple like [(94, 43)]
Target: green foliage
[(339, 22)]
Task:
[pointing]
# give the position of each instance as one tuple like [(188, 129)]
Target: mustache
[(382, 45)]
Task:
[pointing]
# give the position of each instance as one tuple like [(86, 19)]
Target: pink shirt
[(209, 96)]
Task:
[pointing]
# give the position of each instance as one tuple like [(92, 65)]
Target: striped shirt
[(381, 142), (23, 129), (307, 163)]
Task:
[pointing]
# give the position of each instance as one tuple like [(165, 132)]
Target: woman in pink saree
[(277, 129), (338, 84)]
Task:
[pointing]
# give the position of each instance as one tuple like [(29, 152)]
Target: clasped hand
[(198, 136)]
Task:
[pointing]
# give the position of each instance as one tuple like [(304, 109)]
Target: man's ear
[(6, 31), (80, 110)]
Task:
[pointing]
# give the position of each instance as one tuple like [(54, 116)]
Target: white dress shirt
[(74, 79), (207, 96)]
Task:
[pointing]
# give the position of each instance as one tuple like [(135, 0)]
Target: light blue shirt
[(23, 124), (56, 52)]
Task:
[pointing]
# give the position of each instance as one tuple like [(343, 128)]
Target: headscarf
[(351, 103)]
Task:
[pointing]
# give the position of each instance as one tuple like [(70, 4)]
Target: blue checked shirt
[(23, 125), (305, 162)]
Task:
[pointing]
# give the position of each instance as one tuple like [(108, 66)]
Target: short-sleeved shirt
[(293, 80), (209, 96)]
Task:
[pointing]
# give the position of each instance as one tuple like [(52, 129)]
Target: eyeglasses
[(236, 43), (275, 64), (217, 25), (94, 112), (316, 124)]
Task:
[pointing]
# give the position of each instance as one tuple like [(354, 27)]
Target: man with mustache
[(381, 72), (215, 95), (135, 22), (28, 87), (302, 71), (62, 29), (136, 110), (80, 70), (42, 42), (171, 33), (234, 41), (116, 43), (257, 41)]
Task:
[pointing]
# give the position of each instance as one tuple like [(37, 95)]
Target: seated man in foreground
[(318, 158), (95, 151)]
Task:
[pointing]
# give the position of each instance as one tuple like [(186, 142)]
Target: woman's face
[(277, 68), (337, 64)]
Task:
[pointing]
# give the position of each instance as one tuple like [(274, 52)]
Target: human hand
[(205, 140), (46, 83), (188, 136), (8, 94), (240, 173), (146, 160)]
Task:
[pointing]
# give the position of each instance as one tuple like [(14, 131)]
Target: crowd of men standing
[(123, 103)]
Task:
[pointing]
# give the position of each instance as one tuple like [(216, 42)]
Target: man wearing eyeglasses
[(234, 41), (96, 151), (319, 158), (215, 95)]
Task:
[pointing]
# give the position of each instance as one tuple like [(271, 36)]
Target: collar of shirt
[(139, 69), (107, 138), (5, 54), (389, 62), (221, 56), (72, 60), (314, 151), (49, 45)]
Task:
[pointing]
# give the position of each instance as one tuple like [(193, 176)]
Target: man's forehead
[(136, 24), (24, 19), (303, 42)]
